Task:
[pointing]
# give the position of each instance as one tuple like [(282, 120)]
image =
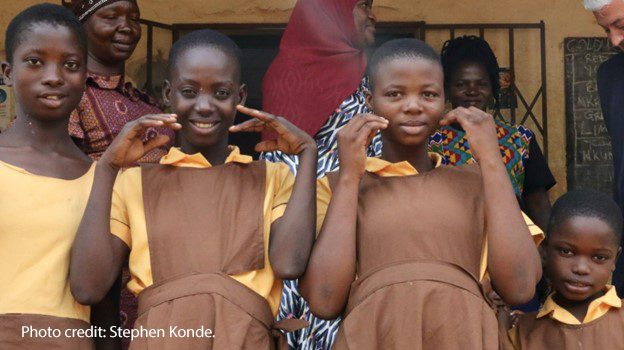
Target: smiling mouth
[(204, 125), (52, 100), (122, 46)]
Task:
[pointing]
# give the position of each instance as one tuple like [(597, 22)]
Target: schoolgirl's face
[(409, 92), (580, 257), (470, 86), (203, 91), (114, 31), (48, 72)]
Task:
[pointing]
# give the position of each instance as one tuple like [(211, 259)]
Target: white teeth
[(204, 125), (52, 97)]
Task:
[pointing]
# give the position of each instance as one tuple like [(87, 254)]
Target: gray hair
[(595, 5)]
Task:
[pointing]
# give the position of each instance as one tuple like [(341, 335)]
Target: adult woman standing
[(471, 79), (113, 32), (317, 82)]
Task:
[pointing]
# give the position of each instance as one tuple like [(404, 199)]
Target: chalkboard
[(588, 157)]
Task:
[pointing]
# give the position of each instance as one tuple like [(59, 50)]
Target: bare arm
[(332, 265), (292, 235), (97, 256), (513, 260)]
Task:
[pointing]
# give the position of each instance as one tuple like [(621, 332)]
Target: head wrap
[(320, 63), (85, 8)]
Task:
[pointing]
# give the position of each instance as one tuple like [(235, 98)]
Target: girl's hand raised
[(480, 132), (353, 139), (128, 147), (290, 139)]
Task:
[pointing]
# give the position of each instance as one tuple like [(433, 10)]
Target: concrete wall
[(563, 18)]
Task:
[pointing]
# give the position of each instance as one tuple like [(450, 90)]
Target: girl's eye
[(565, 251), (223, 93), (430, 94), (393, 94), (188, 92), (33, 61), (365, 5), (601, 258), (72, 65)]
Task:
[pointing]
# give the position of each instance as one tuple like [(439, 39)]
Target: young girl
[(45, 183), (584, 312), (207, 231), (404, 240)]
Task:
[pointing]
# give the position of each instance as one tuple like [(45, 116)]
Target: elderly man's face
[(611, 18)]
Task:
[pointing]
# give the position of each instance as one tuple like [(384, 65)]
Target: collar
[(596, 309), (178, 158), (119, 83), (113, 82), (384, 168)]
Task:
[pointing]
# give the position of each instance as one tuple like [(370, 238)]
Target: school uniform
[(421, 253), (553, 327), (38, 223), (199, 238)]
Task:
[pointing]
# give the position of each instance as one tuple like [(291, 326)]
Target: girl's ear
[(7, 71), (166, 93), (242, 94)]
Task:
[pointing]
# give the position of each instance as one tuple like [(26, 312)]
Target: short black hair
[(587, 203), (206, 38), (400, 48), (473, 49), (55, 15)]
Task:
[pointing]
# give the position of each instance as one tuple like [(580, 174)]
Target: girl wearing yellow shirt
[(207, 231), (45, 183)]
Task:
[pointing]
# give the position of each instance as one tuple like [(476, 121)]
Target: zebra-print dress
[(321, 333)]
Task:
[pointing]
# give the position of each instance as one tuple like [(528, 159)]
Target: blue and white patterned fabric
[(321, 333)]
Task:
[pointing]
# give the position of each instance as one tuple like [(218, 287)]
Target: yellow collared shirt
[(596, 309), (384, 168), (128, 220)]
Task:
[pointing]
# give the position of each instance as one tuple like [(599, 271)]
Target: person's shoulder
[(614, 66), (129, 176)]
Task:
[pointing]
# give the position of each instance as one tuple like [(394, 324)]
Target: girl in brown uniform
[(584, 312), (405, 240), (208, 232)]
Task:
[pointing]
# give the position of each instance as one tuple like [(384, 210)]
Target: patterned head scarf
[(85, 8)]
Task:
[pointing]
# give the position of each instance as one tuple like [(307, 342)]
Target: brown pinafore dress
[(204, 225), (544, 333), (11, 333), (419, 242)]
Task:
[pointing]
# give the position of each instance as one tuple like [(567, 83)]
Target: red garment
[(318, 66)]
